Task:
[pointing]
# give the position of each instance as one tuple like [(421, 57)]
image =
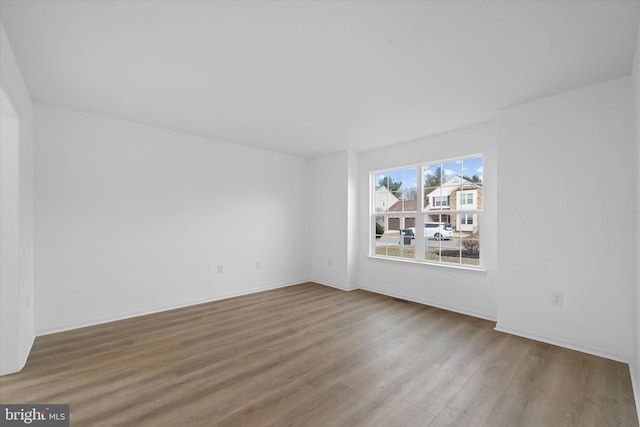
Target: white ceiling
[(310, 78)]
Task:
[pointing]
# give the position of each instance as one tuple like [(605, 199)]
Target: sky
[(465, 167)]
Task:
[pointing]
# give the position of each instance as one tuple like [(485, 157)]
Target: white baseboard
[(432, 303), (22, 358), (153, 310), (562, 343), (27, 350), (331, 285)]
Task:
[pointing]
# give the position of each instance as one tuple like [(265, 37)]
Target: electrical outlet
[(219, 269), (557, 299)]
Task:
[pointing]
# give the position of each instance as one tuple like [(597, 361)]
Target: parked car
[(436, 230)]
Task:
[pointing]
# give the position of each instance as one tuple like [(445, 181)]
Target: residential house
[(403, 220), (384, 199), (457, 193)]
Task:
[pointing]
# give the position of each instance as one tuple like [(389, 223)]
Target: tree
[(434, 180), (410, 194), (391, 184), (475, 179)]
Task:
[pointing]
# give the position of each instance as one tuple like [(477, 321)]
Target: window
[(429, 212), (466, 198), (441, 200), (395, 208)]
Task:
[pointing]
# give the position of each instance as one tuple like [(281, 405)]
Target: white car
[(436, 230)]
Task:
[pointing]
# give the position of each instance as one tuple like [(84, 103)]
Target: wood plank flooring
[(310, 355)]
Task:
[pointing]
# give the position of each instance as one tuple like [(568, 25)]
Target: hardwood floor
[(310, 355)]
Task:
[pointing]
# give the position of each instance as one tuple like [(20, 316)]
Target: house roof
[(453, 184), (409, 206)]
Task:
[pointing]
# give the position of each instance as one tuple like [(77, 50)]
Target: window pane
[(385, 241), (387, 185), (397, 239), (382, 199), (473, 170), (432, 175), (470, 239), (398, 206), (396, 190), (432, 180), (465, 222), (408, 189), (407, 243), (379, 227), (451, 170), (452, 176), (434, 234), (393, 224), (430, 194)]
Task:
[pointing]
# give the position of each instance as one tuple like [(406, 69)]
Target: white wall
[(16, 287), (332, 220), (573, 240), (635, 366), (133, 219), (353, 219), (469, 292)]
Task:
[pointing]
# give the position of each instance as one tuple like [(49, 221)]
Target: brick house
[(457, 193), (402, 220)]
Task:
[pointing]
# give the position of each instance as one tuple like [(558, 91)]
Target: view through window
[(429, 212)]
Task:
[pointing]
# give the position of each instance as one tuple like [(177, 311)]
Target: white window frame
[(421, 215), (440, 201), (464, 198)]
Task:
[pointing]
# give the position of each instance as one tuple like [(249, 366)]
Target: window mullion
[(419, 234)]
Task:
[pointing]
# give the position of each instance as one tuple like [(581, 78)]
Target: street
[(386, 240)]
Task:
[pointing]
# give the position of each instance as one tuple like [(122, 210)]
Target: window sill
[(429, 264)]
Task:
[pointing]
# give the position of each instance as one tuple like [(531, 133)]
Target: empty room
[(320, 213)]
